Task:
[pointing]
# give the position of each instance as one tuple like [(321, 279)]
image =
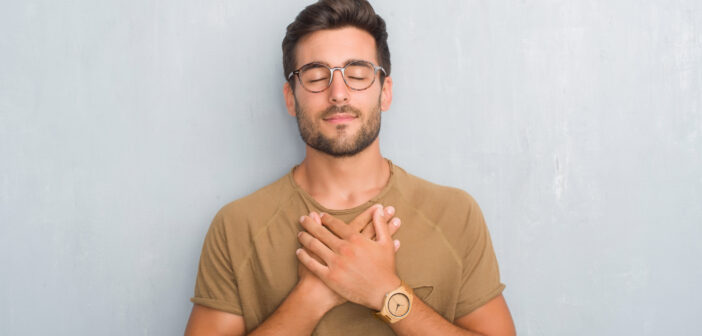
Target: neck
[(345, 182)]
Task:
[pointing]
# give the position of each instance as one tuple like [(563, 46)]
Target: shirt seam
[(249, 253), (436, 227), (472, 306), (218, 304)]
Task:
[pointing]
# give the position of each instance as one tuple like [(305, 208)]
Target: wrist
[(305, 298), (397, 304), (384, 289)]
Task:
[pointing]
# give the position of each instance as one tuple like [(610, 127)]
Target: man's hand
[(354, 266), (363, 223), (312, 284)]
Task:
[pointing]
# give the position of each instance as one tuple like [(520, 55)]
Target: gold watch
[(396, 304)]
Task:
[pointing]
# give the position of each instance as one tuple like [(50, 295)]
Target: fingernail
[(298, 251), (299, 234), (379, 206), (302, 219), (390, 210), (396, 221), (321, 214), (396, 242)]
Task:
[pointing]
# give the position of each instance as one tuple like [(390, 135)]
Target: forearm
[(423, 320), (298, 314)]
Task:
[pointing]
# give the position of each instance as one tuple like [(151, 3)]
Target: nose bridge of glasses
[(341, 72)]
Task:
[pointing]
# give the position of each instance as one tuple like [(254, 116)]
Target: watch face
[(398, 304)]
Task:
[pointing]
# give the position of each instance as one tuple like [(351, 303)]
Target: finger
[(336, 226), (314, 256), (396, 243), (316, 217), (381, 229), (368, 232), (394, 225), (361, 221), (388, 212), (313, 244), (313, 265), (313, 226)]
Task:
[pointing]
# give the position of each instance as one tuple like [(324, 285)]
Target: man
[(313, 253)]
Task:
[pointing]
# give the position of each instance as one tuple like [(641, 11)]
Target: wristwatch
[(396, 304)]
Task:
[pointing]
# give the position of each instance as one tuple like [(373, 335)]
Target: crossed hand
[(354, 262)]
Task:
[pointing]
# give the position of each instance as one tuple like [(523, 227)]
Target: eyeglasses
[(316, 77)]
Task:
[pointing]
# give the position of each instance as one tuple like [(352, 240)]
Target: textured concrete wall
[(577, 125)]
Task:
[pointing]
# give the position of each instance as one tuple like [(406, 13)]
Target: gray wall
[(577, 125)]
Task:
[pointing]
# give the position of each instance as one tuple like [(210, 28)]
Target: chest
[(425, 261)]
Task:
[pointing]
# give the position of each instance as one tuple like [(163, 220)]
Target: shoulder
[(245, 216), (431, 198), (449, 210)]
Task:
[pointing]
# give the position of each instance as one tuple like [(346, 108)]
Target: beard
[(344, 145)]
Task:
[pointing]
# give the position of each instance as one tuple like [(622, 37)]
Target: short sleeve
[(480, 274), (216, 286)]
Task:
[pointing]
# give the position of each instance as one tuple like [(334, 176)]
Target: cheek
[(305, 111), (309, 104), (374, 101)]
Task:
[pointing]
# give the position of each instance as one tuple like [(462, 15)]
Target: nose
[(338, 91)]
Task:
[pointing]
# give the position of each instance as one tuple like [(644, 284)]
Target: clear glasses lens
[(315, 77), (357, 75)]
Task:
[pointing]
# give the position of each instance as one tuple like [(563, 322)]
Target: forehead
[(336, 46)]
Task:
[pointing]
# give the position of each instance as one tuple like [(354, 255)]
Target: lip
[(340, 118)]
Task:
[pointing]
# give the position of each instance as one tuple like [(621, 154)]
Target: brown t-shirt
[(248, 264)]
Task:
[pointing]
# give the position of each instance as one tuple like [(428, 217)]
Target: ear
[(289, 96), (386, 94)]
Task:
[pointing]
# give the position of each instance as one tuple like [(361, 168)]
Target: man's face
[(338, 121)]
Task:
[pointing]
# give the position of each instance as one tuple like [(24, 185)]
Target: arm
[(493, 318), (298, 314), (207, 321)]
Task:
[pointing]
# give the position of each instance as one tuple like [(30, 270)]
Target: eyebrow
[(350, 60)]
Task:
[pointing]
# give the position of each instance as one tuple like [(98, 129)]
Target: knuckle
[(355, 238), (318, 245), (328, 226), (307, 242), (346, 250)]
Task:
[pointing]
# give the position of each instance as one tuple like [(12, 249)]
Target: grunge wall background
[(577, 125)]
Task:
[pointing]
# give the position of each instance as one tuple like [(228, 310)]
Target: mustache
[(332, 110)]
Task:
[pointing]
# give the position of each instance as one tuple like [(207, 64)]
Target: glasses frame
[(343, 75)]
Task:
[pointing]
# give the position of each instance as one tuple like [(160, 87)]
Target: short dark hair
[(333, 14)]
